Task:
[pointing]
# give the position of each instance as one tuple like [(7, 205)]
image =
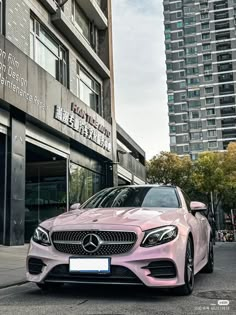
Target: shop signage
[(11, 78), (80, 121)]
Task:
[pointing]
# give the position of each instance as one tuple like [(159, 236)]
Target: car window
[(187, 200), (158, 197)]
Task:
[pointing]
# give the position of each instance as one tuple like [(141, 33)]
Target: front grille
[(118, 274), (111, 242), (161, 269)]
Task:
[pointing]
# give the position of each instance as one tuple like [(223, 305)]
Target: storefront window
[(83, 183)]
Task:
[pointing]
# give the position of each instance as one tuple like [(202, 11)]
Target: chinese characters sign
[(78, 120)]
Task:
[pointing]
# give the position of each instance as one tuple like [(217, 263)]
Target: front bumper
[(139, 266)]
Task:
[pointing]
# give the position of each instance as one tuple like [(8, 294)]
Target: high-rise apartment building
[(200, 43)]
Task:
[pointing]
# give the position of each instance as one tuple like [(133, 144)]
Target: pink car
[(148, 235)]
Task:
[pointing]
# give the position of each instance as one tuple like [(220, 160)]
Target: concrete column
[(2, 185), (15, 197), (112, 96)]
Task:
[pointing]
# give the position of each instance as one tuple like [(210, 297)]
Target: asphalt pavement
[(210, 290)]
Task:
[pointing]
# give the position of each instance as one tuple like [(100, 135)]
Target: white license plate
[(90, 265)]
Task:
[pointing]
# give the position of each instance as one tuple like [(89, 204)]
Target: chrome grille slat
[(112, 242)]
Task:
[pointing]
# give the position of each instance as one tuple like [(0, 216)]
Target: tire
[(49, 286), (209, 268), (187, 288)]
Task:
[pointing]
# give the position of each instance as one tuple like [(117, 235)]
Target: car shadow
[(106, 292), (109, 292)]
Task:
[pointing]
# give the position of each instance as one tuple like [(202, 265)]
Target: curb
[(17, 283)]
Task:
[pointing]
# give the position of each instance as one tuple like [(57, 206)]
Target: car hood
[(145, 218)]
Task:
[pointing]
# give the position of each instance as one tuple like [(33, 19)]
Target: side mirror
[(75, 206), (197, 206)]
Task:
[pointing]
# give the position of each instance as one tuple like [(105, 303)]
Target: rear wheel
[(49, 286), (187, 288), (209, 268)]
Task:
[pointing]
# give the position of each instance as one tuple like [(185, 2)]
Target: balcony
[(223, 46), (228, 111), (131, 164), (221, 25), (227, 100), (222, 35), (221, 5), (225, 67), (224, 57), (50, 5), (80, 43), (226, 89), (222, 15), (228, 134), (226, 77), (92, 8), (228, 122), (94, 12)]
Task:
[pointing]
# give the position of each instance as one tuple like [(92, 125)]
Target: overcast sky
[(140, 80)]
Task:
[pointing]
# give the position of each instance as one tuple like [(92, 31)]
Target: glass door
[(46, 187)]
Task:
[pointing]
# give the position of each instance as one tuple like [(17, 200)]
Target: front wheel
[(209, 268), (187, 288)]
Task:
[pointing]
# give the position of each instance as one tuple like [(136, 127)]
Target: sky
[(139, 67)]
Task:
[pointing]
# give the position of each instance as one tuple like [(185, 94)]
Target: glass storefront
[(83, 183), (46, 187)]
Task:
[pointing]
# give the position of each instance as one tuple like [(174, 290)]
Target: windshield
[(145, 197)]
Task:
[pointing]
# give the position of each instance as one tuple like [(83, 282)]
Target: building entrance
[(46, 187)]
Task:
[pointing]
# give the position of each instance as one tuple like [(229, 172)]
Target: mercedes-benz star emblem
[(91, 243)]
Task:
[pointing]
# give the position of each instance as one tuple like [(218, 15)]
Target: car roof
[(147, 185)]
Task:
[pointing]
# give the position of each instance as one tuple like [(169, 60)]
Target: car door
[(205, 230), (196, 222)]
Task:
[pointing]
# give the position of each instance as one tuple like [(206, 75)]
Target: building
[(58, 135), (200, 43)]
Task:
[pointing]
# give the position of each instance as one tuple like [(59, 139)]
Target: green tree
[(169, 168), (229, 193), (208, 176), (210, 179)]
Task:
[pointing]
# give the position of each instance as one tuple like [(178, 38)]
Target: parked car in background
[(148, 235)]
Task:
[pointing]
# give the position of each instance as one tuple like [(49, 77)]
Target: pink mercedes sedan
[(148, 235)]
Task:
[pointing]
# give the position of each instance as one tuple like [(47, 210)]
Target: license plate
[(90, 265)]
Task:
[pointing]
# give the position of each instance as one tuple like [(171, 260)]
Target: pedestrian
[(224, 237)]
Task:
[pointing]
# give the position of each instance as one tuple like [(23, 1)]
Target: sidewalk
[(12, 265)]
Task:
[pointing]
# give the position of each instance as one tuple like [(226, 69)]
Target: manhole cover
[(218, 295)]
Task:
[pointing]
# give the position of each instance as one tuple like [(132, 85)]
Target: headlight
[(159, 236), (41, 236)]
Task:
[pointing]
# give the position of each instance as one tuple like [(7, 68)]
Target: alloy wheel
[(189, 262)]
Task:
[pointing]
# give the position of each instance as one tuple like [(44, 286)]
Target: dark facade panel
[(39, 95), (15, 195)]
